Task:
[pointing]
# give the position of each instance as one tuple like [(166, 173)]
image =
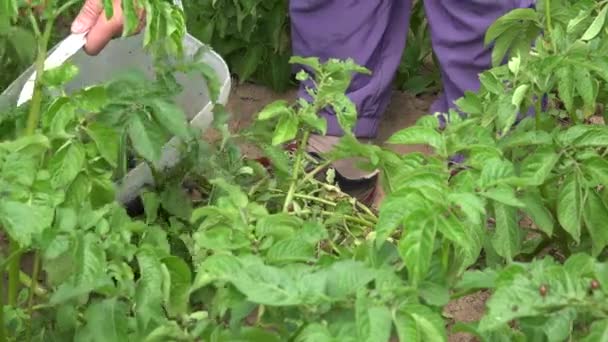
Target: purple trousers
[(373, 33)]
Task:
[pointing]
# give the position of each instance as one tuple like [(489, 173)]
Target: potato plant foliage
[(233, 249), (254, 38)]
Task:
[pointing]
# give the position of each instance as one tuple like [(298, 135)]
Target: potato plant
[(227, 248)]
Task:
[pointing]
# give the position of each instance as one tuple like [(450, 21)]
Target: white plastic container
[(128, 54)]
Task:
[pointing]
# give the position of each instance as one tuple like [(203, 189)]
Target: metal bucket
[(127, 54)]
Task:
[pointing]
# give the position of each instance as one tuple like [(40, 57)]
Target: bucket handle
[(66, 49)]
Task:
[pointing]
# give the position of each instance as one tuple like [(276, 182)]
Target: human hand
[(101, 30)]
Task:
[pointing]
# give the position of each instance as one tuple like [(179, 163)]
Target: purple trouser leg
[(373, 33), (458, 29)]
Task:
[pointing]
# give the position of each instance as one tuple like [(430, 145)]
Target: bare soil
[(248, 99)]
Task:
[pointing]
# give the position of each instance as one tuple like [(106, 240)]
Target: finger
[(88, 16), (104, 30)]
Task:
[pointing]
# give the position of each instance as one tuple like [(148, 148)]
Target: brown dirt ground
[(247, 99)]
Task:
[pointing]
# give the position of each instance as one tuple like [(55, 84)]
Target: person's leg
[(371, 32), (458, 28)]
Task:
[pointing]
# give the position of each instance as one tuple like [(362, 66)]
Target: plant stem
[(30, 301), (2, 326), (32, 124), (350, 218), (28, 282), (548, 16), (296, 171), (316, 170), (549, 24), (14, 267), (539, 109), (7, 261), (36, 102), (315, 199)]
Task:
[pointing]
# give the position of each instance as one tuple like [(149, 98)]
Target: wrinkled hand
[(101, 30)]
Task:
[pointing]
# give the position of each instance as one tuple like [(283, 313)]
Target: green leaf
[(417, 323), (565, 86), (598, 332), (131, 21), (248, 63), (106, 139), (592, 136), (171, 117), (419, 135), (215, 267), (472, 206), (526, 138), (66, 164), (391, 216), (491, 83), (595, 215), (520, 94), (507, 237), (558, 326), (24, 222), (538, 212), (103, 192), (470, 103), (584, 87), (506, 115), (277, 108), (181, 280), (315, 122), (146, 138), (596, 168), (495, 171), (312, 62), (508, 20), (434, 294), (221, 238), (503, 44), (503, 194), (536, 167), (466, 239), (108, 8), (256, 334), (148, 292), (78, 192), (596, 25), (315, 332), (279, 226), (569, 206), (176, 201), (373, 323), (234, 192), (417, 245), (151, 203), (347, 277), (91, 260), (286, 130), (105, 321), (290, 250), (345, 110), (477, 280), (23, 41), (60, 75), (91, 99), (266, 285)]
